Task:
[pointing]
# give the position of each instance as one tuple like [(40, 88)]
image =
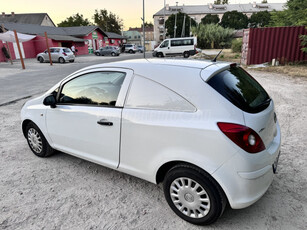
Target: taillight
[(243, 136), (64, 54)]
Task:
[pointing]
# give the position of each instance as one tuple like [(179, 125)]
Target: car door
[(55, 54), (87, 119)]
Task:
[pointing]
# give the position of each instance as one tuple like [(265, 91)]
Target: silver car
[(108, 50), (58, 54)]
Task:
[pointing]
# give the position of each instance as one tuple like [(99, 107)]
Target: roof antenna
[(214, 60)]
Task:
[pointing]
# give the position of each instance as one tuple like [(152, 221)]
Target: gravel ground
[(64, 192)]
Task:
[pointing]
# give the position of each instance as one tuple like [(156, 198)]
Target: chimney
[(167, 7), (254, 4), (13, 14), (3, 14), (210, 6)]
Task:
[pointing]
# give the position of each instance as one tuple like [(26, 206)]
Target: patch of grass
[(290, 70)]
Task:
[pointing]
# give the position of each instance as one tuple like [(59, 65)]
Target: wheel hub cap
[(190, 197), (35, 140)]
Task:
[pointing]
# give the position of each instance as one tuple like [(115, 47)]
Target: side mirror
[(50, 100)]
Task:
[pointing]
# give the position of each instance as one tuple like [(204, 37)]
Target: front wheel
[(61, 60), (40, 59), (113, 54), (160, 55), (37, 142), (193, 195)]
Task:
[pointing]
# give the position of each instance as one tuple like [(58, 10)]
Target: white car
[(206, 130), (58, 54), (176, 46)]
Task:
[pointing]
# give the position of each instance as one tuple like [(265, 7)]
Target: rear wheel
[(193, 195), (61, 60), (97, 54), (186, 54), (40, 59), (37, 142), (113, 54), (131, 51)]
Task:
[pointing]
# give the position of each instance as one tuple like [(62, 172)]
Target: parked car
[(58, 54), (207, 131), (176, 46), (141, 49), (130, 48), (108, 50)]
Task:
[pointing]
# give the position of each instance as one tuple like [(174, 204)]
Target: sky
[(130, 11)]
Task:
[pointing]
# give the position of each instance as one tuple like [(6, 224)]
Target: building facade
[(197, 12), (86, 39)]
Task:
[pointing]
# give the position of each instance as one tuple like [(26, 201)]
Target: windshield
[(240, 89)]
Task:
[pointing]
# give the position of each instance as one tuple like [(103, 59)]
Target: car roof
[(137, 64)]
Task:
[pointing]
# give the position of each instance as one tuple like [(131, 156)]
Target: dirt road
[(64, 192)]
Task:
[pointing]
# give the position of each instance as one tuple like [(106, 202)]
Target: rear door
[(87, 119)]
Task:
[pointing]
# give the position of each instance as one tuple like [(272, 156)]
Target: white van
[(176, 46)]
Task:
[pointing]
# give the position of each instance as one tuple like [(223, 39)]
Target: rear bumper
[(246, 177), (67, 58)]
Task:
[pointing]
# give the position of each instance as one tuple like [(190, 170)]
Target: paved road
[(16, 84)]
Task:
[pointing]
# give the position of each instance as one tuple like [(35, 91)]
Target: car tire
[(193, 194), (186, 54), (113, 54), (40, 59), (37, 142), (97, 54), (61, 60), (131, 51), (72, 61), (160, 55)]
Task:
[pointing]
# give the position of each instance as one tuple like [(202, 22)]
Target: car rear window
[(241, 89), (67, 50)]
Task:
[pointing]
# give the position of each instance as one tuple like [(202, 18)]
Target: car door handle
[(105, 122)]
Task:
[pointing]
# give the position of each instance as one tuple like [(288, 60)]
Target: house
[(197, 12), (133, 37), (86, 39), (115, 39), (41, 19), (149, 36)]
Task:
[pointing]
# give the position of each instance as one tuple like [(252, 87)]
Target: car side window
[(164, 44), (147, 94), (97, 88)]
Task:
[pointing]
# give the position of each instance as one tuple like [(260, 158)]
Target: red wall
[(38, 45), (261, 45)]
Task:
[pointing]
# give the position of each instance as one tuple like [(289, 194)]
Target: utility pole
[(144, 27), (164, 22), (175, 28), (183, 27), (19, 49)]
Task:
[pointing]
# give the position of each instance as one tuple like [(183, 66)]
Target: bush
[(212, 36), (236, 45)]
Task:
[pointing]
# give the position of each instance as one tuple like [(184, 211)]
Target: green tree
[(212, 36), (148, 25), (260, 19), (108, 21), (210, 18), (235, 20), (295, 14), (75, 20), (170, 24)]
